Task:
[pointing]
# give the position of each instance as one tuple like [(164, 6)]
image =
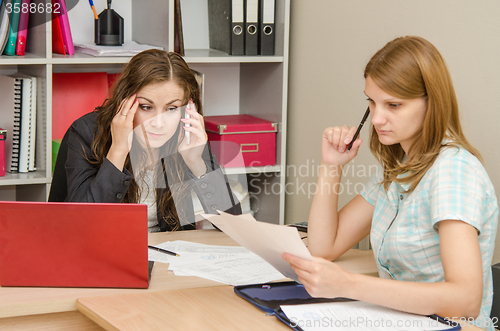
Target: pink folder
[(22, 32), (65, 28)]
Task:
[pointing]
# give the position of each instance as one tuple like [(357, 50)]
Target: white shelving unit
[(254, 85)]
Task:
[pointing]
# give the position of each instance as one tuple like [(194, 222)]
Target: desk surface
[(21, 301), (55, 308), (210, 308)]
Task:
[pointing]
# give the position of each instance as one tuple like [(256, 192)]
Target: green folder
[(56, 143), (10, 48)]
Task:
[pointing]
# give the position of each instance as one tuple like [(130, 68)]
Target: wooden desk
[(21, 301), (39, 308), (55, 308), (33, 308), (210, 308)]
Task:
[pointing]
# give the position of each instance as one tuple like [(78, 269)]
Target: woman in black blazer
[(140, 147)]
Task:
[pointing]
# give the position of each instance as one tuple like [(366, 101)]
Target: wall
[(330, 43)]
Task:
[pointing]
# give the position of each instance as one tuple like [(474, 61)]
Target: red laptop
[(73, 244)]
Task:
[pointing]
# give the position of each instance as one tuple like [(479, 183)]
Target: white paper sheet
[(356, 316), (232, 270), (267, 240), (184, 248), (233, 265), (129, 48)]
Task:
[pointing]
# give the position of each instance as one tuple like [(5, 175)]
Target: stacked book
[(18, 117)]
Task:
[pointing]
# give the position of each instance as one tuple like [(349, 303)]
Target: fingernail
[(341, 149), (347, 140)]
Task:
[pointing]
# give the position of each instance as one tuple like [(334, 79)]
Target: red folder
[(112, 78), (66, 244), (57, 39), (74, 95)]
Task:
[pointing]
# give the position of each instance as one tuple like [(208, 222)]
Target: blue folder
[(269, 297)]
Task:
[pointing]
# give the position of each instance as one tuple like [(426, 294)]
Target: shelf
[(215, 56), (254, 85), (36, 177), (81, 58), (252, 170), (27, 59), (191, 56)]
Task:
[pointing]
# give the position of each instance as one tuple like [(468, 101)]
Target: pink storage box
[(242, 140)]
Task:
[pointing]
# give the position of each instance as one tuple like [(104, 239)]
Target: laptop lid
[(73, 244)]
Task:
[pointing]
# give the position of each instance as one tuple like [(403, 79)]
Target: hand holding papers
[(267, 240)]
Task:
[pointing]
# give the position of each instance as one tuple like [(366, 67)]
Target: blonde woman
[(431, 210)]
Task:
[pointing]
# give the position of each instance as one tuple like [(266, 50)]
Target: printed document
[(267, 240), (233, 270), (185, 249), (233, 265)]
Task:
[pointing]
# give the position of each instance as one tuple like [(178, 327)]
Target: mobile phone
[(188, 134)]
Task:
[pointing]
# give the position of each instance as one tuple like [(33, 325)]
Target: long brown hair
[(408, 68), (149, 67)]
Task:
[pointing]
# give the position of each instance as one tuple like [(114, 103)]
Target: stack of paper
[(231, 265), (129, 48)]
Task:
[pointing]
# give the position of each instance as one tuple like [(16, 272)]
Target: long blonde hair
[(408, 68)]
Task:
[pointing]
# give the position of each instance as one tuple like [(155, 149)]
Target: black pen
[(163, 250), (367, 112)]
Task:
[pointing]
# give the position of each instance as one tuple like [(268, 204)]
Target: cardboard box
[(242, 140)]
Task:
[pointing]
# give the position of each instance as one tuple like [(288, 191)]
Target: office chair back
[(495, 308)]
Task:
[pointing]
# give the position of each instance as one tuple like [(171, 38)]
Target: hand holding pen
[(338, 141), (363, 120)]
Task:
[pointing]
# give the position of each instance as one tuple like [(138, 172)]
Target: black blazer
[(107, 184)]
